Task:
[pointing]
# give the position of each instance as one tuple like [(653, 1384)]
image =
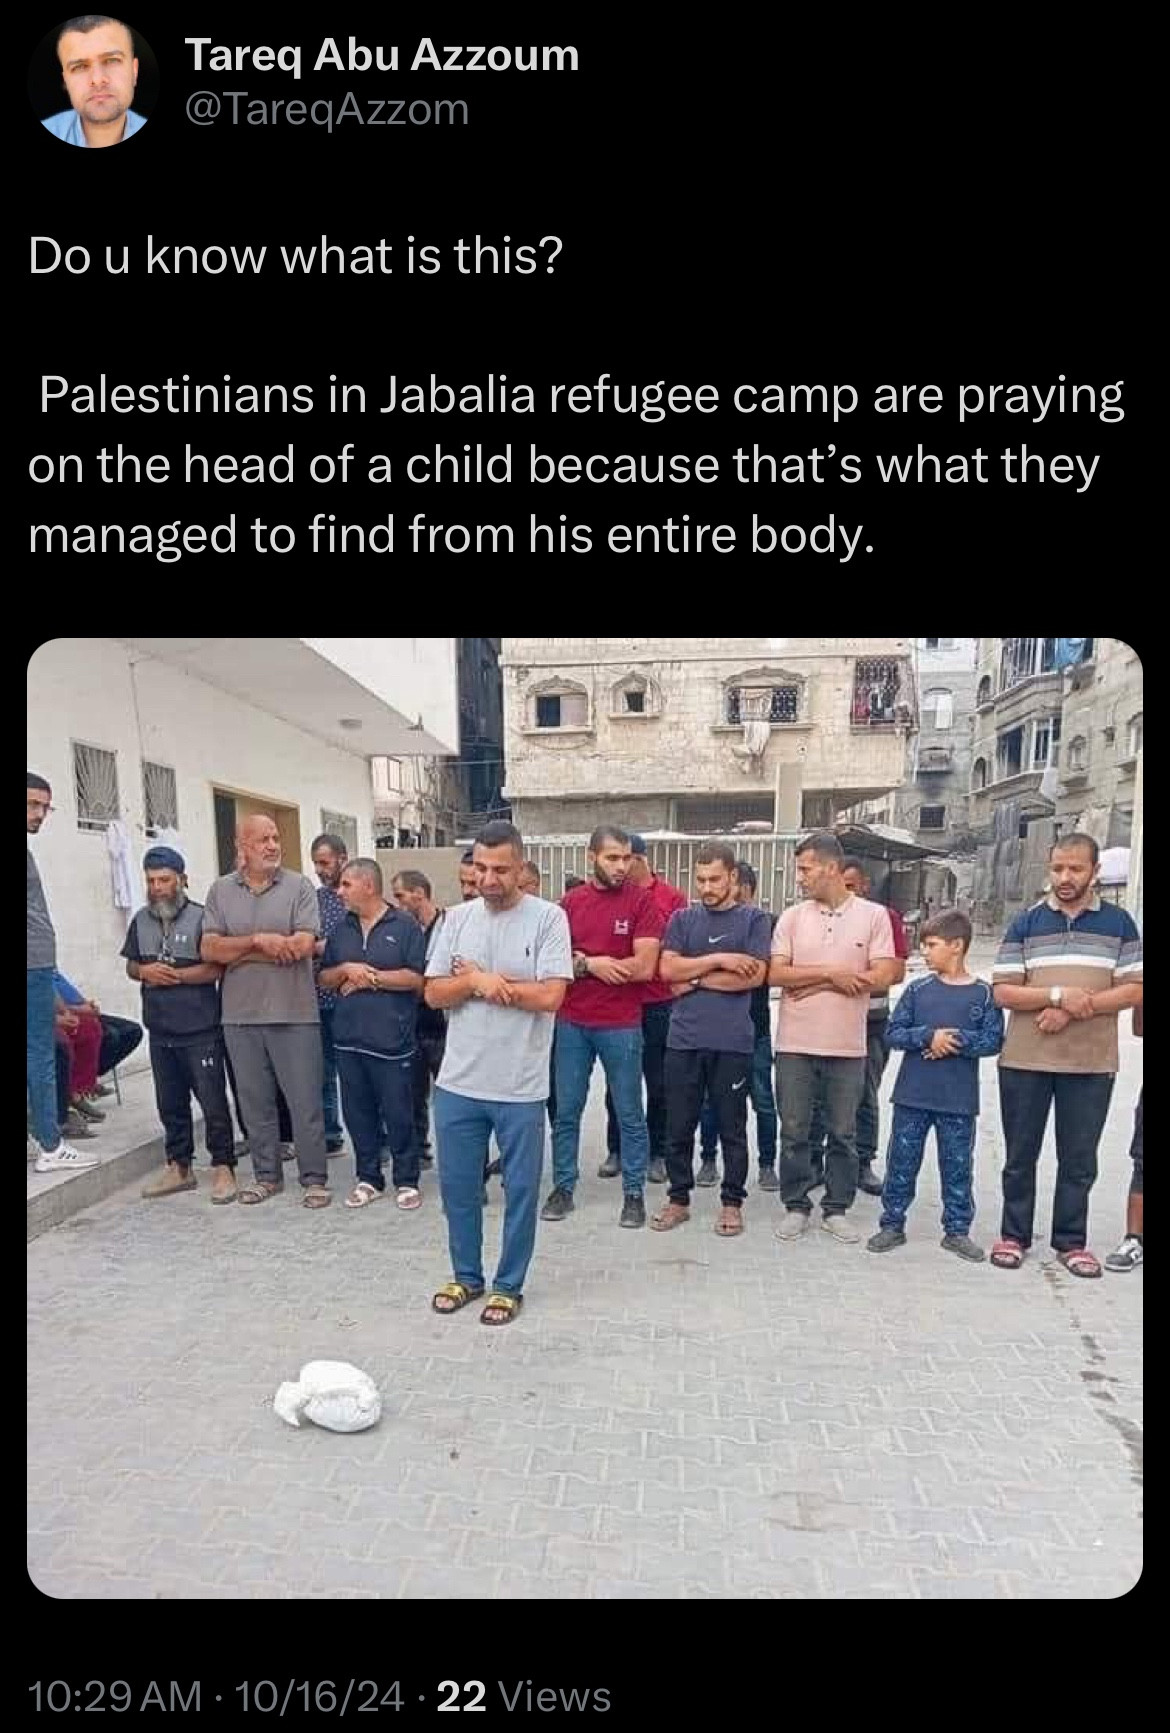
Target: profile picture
[(93, 81)]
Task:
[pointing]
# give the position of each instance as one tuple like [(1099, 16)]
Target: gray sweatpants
[(263, 1055)]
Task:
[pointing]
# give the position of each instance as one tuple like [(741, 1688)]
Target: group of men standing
[(288, 991)]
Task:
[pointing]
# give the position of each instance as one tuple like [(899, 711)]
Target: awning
[(879, 842)]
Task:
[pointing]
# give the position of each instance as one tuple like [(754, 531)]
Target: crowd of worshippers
[(365, 1008)]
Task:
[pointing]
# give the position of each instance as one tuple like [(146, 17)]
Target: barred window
[(95, 781), (160, 798), (764, 704)]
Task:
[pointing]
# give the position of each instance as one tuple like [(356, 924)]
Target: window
[(1046, 743), (160, 800), (932, 818), (763, 703), (938, 708), (342, 825), (635, 695), (1133, 736), (558, 704), (979, 773), (1023, 657), (877, 694), (718, 815), (1009, 754), (983, 696), (95, 778), (1078, 755), (938, 643)]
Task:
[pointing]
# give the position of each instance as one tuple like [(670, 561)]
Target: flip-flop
[(317, 1197), (1007, 1254), (362, 1195), (1079, 1262), (409, 1197), (729, 1222), (509, 1304), (671, 1215), (260, 1191), (459, 1294)]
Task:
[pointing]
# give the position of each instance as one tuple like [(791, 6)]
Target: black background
[(859, 199)]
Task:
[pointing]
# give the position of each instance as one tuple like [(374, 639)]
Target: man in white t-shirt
[(499, 968)]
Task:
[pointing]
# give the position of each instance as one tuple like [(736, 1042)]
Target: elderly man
[(374, 962), (261, 924), (52, 1152), (99, 70), (180, 1007)]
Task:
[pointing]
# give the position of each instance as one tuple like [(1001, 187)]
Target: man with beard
[(329, 856), (468, 877), (616, 931), (261, 924), (100, 72), (180, 1007)]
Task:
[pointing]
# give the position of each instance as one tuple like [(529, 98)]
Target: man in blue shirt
[(715, 955), (374, 961), (100, 72)]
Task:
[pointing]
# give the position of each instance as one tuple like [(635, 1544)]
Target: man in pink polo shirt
[(829, 954)]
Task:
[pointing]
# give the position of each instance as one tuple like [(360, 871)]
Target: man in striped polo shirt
[(1065, 969)]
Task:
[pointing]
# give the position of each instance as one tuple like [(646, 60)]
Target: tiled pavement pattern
[(671, 1416)]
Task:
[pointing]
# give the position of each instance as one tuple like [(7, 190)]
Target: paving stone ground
[(672, 1416)]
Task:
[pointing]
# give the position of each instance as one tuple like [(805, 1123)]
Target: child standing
[(945, 1023)]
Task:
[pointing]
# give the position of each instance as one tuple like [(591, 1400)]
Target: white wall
[(86, 689), (417, 676)]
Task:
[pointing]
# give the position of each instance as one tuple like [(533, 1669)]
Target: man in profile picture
[(100, 72)]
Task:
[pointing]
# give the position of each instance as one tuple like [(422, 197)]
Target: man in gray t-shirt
[(499, 968), (261, 923)]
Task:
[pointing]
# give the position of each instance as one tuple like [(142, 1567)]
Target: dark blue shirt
[(332, 912), (373, 1020), (703, 1020), (943, 1085)]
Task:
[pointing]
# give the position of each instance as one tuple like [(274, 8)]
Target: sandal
[(362, 1194), (508, 1304), (260, 1191), (409, 1197), (671, 1215), (1079, 1262), (1007, 1254), (317, 1197), (458, 1293), (730, 1221)]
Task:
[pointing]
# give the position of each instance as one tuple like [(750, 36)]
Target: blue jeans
[(333, 1128), (620, 1052), (463, 1128), (41, 1056), (954, 1134), (763, 1103)]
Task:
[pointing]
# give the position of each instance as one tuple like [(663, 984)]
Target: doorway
[(232, 806)]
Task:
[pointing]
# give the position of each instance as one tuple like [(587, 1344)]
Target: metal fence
[(673, 859)]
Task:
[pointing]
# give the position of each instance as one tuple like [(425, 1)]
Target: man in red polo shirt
[(657, 999), (616, 931)]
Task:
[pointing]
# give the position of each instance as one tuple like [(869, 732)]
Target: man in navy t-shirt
[(715, 955)]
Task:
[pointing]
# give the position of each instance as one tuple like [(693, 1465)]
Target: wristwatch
[(1055, 996)]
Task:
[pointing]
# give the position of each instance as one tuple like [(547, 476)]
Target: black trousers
[(655, 1029), (1082, 1105), (428, 1057), (282, 1112), (119, 1039), (377, 1092), (196, 1069), (1136, 1151), (689, 1078)]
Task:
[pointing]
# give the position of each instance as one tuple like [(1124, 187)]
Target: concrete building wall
[(679, 742), (944, 666), (94, 690)]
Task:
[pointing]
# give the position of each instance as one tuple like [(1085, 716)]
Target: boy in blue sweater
[(945, 1024)]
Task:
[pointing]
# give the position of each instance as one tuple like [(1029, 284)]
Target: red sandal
[(1007, 1254)]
